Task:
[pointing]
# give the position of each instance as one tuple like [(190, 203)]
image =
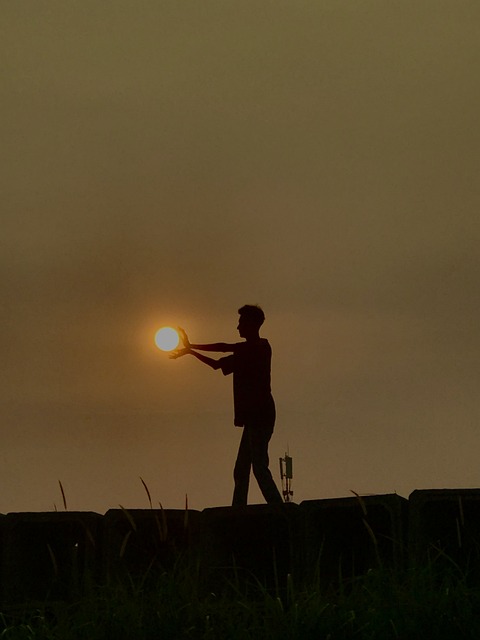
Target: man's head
[(251, 319)]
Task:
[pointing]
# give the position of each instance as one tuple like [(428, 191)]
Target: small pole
[(286, 474)]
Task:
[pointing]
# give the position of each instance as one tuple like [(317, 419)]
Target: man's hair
[(252, 313)]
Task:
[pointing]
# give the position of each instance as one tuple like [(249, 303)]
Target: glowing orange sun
[(166, 339)]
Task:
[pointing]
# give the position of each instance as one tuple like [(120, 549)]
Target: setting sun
[(166, 339)]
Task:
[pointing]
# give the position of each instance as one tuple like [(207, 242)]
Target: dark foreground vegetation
[(434, 602), (362, 568)]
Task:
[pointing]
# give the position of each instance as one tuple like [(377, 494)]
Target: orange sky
[(167, 162)]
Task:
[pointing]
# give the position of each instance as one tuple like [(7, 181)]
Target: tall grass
[(383, 604), (436, 600)]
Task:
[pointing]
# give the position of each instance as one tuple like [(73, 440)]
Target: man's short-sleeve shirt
[(250, 364)]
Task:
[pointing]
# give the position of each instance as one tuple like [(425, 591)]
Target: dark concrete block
[(140, 542), (49, 556), (444, 528), (345, 537), (242, 545)]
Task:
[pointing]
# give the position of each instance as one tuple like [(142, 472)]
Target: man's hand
[(184, 337), (178, 353)]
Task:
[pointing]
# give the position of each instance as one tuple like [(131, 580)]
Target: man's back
[(250, 364)]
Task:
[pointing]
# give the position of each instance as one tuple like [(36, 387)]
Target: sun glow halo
[(166, 339)]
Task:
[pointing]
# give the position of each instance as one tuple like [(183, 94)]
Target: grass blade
[(148, 492), (63, 496), (128, 517), (360, 500)]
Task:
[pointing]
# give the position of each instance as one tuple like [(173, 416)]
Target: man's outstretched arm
[(222, 347), (215, 364)]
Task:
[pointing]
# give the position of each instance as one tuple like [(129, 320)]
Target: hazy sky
[(167, 161)]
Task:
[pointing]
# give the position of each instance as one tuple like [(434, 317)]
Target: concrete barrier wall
[(59, 555), (348, 536), (49, 555), (445, 528), (260, 540)]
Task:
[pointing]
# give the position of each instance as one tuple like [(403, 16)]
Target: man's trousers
[(253, 454)]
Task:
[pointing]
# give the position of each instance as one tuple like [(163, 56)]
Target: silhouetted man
[(254, 407)]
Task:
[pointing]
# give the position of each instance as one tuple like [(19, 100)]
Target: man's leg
[(241, 472), (259, 438)]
